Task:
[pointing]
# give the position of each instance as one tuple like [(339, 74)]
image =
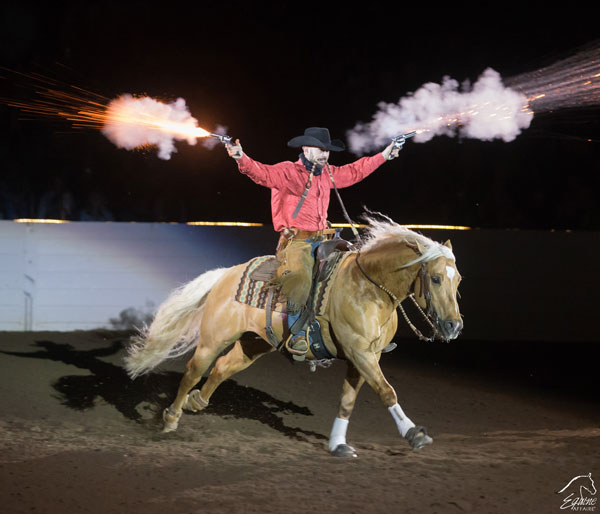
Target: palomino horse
[(393, 263)]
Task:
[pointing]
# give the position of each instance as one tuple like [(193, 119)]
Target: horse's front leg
[(367, 364), (337, 439)]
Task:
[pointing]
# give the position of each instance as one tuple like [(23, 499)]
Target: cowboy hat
[(319, 137)]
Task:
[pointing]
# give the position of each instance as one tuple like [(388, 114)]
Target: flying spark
[(568, 83)]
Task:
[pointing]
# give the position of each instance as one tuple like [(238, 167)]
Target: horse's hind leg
[(243, 353), (195, 368)]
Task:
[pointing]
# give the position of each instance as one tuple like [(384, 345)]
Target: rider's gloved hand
[(235, 151), (391, 151)]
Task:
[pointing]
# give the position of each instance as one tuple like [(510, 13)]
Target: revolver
[(226, 140), (401, 139)]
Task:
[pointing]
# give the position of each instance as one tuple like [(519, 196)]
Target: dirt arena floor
[(512, 425)]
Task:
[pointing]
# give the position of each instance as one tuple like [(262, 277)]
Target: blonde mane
[(380, 231)]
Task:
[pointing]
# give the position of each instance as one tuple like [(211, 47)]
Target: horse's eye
[(436, 279)]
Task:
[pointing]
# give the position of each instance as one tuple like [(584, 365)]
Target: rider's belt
[(287, 234), (316, 235)]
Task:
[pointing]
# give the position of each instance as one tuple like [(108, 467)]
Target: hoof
[(417, 437), (344, 450), (194, 402), (171, 420)]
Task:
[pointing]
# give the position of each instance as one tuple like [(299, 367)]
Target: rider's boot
[(297, 343)]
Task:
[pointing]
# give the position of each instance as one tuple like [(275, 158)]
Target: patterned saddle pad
[(255, 284)]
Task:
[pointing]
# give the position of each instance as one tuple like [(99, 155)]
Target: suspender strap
[(304, 195)]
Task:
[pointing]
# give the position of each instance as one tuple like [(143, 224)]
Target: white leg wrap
[(338, 433), (402, 420)]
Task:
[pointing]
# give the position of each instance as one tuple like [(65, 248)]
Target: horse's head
[(433, 277), (436, 290)]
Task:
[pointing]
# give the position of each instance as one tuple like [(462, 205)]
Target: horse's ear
[(421, 249), (448, 244)]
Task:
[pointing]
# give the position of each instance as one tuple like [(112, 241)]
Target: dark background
[(269, 70)]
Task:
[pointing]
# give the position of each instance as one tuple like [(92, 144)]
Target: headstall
[(424, 292)]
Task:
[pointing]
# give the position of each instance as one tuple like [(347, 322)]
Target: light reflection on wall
[(80, 275)]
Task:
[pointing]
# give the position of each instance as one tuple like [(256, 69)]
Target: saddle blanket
[(254, 286)]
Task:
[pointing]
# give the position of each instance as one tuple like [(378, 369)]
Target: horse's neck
[(382, 265)]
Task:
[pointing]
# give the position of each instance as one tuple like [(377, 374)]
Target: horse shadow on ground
[(112, 384)]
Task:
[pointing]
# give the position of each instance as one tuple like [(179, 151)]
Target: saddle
[(327, 255)]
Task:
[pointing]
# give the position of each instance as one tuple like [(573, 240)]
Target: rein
[(344, 211), (398, 304)]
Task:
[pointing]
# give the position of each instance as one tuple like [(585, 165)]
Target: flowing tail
[(175, 328)]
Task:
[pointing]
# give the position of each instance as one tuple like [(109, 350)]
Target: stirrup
[(297, 340), (390, 347)]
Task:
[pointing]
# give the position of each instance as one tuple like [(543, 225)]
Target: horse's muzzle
[(449, 328)]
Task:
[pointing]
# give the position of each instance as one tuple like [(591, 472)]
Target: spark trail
[(489, 109), (568, 83), (130, 122), (136, 122)]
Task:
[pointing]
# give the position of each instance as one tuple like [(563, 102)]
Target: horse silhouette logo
[(585, 486)]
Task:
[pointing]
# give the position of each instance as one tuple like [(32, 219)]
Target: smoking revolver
[(401, 139), (226, 140)]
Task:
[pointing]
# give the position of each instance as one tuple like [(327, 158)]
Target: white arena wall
[(82, 275), (518, 285)]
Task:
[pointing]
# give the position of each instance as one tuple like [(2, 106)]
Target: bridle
[(424, 292)]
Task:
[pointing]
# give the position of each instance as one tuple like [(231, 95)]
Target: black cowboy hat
[(319, 137)]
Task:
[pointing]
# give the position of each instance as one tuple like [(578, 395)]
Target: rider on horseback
[(300, 194)]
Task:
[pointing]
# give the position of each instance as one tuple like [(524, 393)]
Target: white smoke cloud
[(488, 110), (211, 142), (136, 122)]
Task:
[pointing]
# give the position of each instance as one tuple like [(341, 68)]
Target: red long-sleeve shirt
[(287, 181)]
